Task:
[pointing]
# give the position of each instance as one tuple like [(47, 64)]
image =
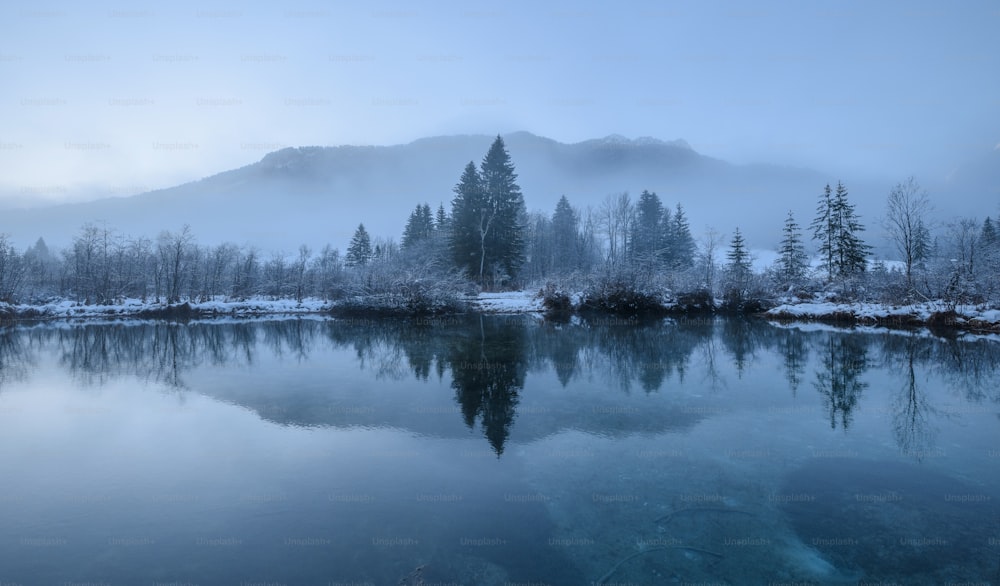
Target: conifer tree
[(851, 250), (419, 226), (647, 235), (359, 252), (738, 268), (565, 232), (682, 246), (792, 259), (467, 211), (441, 219), (487, 230), (824, 230), (836, 227), (505, 241), (738, 255)]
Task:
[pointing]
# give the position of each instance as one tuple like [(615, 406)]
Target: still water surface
[(496, 450)]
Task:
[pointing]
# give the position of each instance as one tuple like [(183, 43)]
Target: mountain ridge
[(282, 199)]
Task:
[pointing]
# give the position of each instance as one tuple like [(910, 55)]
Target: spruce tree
[(646, 238), (419, 226), (987, 235), (792, 259), (824, 230), (501, 221), (836, 227), (738, 255), (467, 209), (359, 252), (487, 232), (564, 236), (441, 219), (989, 242), (738, 268), (665, 256), (682, 246), (851, 251)]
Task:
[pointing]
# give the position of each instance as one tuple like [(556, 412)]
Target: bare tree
[(709, 253), (11, 271), (174, 251), (615, 216), (300, 271), (905, 221)]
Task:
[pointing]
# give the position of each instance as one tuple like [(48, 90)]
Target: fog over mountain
[(316, 195)]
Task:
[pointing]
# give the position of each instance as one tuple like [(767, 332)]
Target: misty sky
[(119, 97)]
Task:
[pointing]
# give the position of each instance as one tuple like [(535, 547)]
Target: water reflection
[(843, 362), (486, 361), (488, 370)]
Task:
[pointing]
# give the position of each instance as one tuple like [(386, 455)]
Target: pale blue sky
[(118, 97)]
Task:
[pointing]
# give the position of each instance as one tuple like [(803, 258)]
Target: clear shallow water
[(497, 450)]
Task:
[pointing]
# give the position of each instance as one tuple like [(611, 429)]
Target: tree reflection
[(739, 339), (844, 359), (16, 356), (488, 371), (910, 422), (970, 366), (649, 353), (486, 360), (793, 348)]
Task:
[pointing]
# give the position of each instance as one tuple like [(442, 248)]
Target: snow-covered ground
[(968, 315), (508, 302), (131, 307)]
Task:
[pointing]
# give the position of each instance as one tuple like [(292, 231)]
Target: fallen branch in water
[(669, 516), (614, 568)]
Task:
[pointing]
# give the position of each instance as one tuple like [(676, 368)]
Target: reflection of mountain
[(513, 378)]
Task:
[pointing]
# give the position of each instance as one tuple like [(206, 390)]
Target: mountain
[(318, 195)]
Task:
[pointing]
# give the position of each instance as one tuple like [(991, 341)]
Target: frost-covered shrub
[(392, 290), (556, 301), (623, 295)]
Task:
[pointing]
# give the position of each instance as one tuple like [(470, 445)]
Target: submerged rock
[(894, 521)]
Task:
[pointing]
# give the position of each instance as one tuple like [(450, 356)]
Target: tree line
[(488, 239)]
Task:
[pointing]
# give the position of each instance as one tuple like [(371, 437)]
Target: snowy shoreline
[(515, 302), (971, 318)]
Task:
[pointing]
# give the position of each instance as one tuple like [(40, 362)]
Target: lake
[(496, 450)]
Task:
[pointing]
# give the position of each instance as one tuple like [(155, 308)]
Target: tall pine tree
[(681, 245), (503, 232), (359, 252), (851, 250), (565, 233), (792, 258), (647, 235), (738, 257), (441, 219), (487, 235), (468, 209), (836, 227), (824, 229), (419, 227)]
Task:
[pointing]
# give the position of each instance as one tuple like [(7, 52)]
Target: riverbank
[(513, 302), (938, 315), (971, 318)]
